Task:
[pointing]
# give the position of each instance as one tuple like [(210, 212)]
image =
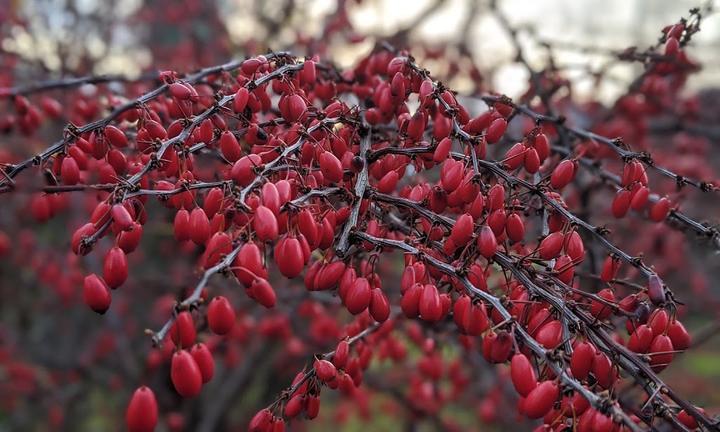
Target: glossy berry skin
[(541, 399), (181, 225), (204, 359), (96, 294), (69, 171), (121, 216), (221, 315), (182, 331), (341, 354), (581, 361), (115, 267), (379, 306), (325, 370), (185, 374), (263, 293), (289, 257), (230, 147), (260, 421), (142, 411), (487, 242), (331, 167), (523, 374), (562, 174), (199, 226), (265, 224), (551, 246), (429, 305), (359, 296)]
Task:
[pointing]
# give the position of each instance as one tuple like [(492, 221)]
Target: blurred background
[(465, 43), (132, 36)]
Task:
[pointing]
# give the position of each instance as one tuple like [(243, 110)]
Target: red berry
[(532, 161), (442, 151), (688, 420), (604, 370), (289, 257), (462, 231), (185, 374), (660, 210), (486, 242), (515, 228), (121, 216), (661, 352), (324, 370), (181, 226), (308, 74), (522, 374), (312, 406), (541, 399), (640, 339), (515, 156), (261, 421), (429, 305), (295, 108), (451, 174), (550, 334), (329, 275), (416, 125), (219, 245), (599, 309), (563, 174), (379, 306), (115, 268), (243, 171), (263, 293), (230, 147), (342, 352), (116, 137), (202, 356), (294, 406), (96, 294), (659, 321), (574, 246), (142, 411), (621, 203), (129, 240), (331, 167), (81, 233), (182, 331), (240, 100), (496, 197), (475, 319), (388, 182), (639, 198), (220, 316), (69, 171), (359, 296), (582, 360), (611, 265), (551, 246), (199, 226), (248, 264), (265, 224), (496, 130), (678, 335)]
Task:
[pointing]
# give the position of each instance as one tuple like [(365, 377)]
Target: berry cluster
[(288, 164)]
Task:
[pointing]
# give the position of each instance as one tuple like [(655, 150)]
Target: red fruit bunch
[(379, 232)]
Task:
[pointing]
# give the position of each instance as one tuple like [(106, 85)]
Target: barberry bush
[(309, 239)]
